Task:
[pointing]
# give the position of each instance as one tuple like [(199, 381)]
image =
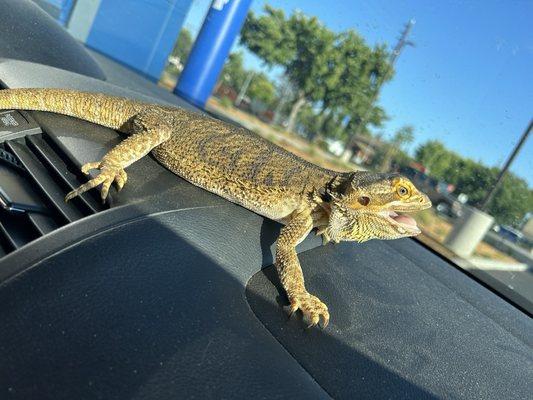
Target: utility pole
[(499, 179), (402, 42)]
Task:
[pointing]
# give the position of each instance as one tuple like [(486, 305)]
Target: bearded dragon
[(245, 169)]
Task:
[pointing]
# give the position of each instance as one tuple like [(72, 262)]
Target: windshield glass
[(440, 92)]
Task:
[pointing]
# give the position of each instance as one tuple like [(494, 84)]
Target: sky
[(467, 82)]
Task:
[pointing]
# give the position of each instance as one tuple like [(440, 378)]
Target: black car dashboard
[(168, 291)]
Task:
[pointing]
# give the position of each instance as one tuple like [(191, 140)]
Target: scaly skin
[(245, 169)]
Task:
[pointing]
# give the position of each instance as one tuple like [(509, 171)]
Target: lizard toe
[(106, 184), (111, 175), (106, 178), (85, 168), (86, 186), (120, 179)]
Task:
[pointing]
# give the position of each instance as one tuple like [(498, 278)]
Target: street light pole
[(499, 179)]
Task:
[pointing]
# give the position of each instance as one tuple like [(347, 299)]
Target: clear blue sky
[(469, 80)]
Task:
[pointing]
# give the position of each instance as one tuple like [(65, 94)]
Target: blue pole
[(211, 48), (66, 9)]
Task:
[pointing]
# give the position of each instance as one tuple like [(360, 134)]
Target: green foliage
[(354, 86), (312, 58), (404, 135), (308, 120), (401, 159), (472, 178), (311, 121), (436, 158), (226, 102), (512, 200), (269, 36), (376, 116), (234, 73), (393, 152), (181, 49), (261, 88), (322, 145), (332, 126), (183, 45), (339, 73)]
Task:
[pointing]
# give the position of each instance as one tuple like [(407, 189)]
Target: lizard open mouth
[(405, 221)]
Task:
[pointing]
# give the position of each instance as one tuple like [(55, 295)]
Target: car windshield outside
[(440, 92)]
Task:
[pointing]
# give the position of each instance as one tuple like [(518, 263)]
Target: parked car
[(510, 233)]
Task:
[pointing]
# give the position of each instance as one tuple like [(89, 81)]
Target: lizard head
[(364, 206)]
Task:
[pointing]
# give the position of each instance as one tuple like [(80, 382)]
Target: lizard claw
[(121, 179), (313, 310), (106, 177)]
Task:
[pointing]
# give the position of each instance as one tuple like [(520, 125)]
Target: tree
[(352, 91), (269, 37), (511, 202), (339, 74), (314, 45), (183, 45), (261, 88), (436, 158), (308, 120), (299, 44), (378, 70), (403, 136), (181, 50), (376, 118), (233, 73)]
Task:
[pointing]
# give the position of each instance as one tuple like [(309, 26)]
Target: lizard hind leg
[(148, 133)]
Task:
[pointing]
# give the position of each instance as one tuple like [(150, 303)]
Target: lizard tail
[(112, 112)]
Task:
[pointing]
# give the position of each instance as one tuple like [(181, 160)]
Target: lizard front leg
[(290, 272), (148, 132)]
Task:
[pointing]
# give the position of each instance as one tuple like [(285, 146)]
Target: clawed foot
[(107, 176), (313, 310)]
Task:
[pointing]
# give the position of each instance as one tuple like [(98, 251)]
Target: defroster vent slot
[(45, 178)]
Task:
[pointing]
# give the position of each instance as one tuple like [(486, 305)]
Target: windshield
[(440, 92)]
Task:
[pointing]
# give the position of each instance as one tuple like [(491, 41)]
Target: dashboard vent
[(35, 177)]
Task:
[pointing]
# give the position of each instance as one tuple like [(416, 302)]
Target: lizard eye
[(364, 200), (403, 191)]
